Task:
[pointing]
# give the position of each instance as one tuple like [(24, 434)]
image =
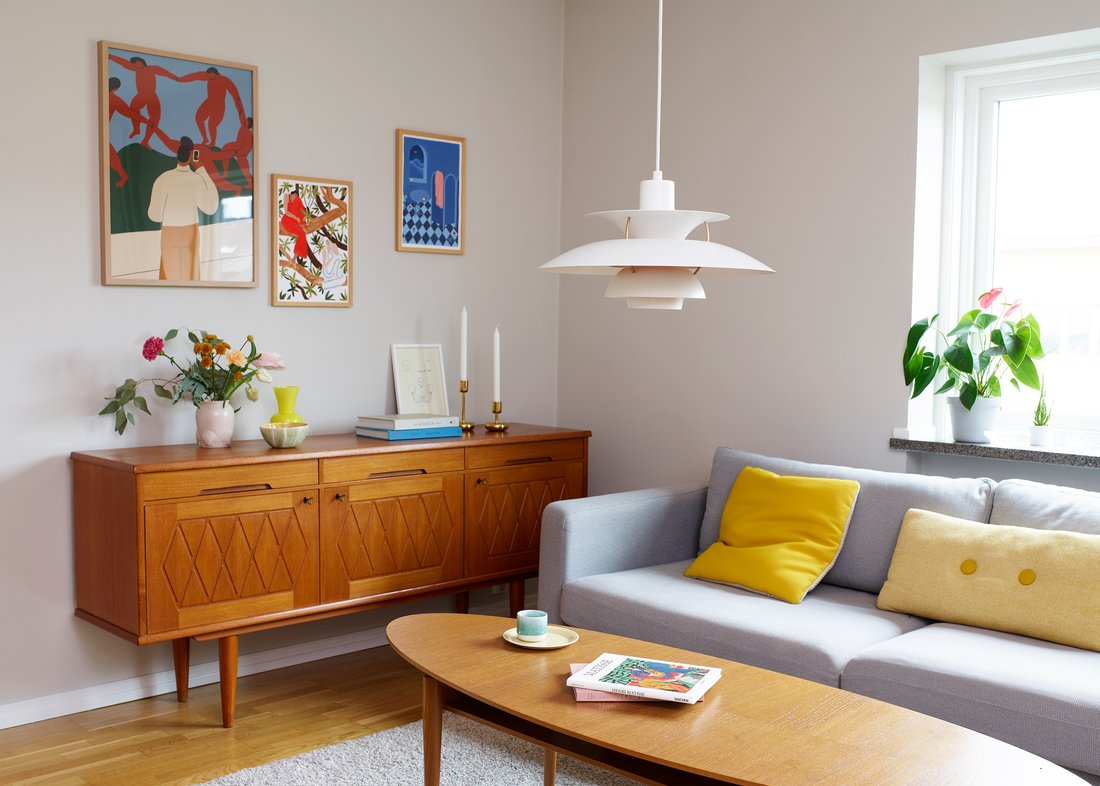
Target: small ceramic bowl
[(284, 435)]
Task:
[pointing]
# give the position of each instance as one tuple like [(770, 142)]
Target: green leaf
[(968, 394), (960, 356), (994, 388), (171, 334), (966, 323), (112, 406), (192, 338), (984, 320), (1026, 373), (946, 386), (912, 341), (161, 391), (120, 421), (927, 373), (130, 417), (912, 367), (139, 402), (1015, 349)]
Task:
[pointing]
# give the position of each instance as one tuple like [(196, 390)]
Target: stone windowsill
[(1067, 448)]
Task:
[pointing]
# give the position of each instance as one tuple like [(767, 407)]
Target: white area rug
[(473, 755)]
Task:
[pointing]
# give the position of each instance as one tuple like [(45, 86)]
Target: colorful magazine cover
[(656, 679)]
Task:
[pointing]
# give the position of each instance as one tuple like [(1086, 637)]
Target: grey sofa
[(615, 563)]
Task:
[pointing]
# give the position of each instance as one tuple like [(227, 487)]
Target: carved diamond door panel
[(504, 513), (388, 535), (214, 560)]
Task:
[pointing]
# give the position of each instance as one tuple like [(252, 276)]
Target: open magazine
[(646, 677)]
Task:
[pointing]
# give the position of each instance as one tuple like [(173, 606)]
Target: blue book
[(409, 433)]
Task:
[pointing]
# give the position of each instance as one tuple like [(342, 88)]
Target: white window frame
[(958, 98)]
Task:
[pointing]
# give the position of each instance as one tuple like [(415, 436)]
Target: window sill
[(1067, 448)]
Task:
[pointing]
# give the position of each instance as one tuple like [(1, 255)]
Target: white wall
[(799, 119), (335, 80)]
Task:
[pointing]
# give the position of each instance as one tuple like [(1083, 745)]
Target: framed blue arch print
[(431, 192)]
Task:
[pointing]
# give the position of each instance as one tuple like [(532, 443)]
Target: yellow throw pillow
[(1035, 582), (779, 535)]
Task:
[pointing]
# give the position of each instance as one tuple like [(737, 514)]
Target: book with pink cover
[(587, 694)]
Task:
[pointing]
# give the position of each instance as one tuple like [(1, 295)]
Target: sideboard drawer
[(226, 480), (423, 462), (525, 453)]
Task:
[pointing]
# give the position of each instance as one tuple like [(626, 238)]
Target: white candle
[(496, 364), (462, 348)]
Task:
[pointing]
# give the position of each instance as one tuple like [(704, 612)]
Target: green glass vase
[(285, 396)]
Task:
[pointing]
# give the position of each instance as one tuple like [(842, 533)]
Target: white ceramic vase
[(1040, 436), (973, 425), (214, 424)]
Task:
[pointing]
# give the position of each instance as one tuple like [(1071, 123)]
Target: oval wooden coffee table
[(756, 727)]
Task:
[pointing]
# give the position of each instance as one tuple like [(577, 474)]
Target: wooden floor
[(159, 741)]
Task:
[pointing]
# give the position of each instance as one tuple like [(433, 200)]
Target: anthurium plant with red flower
[(215, 373), (986, 345)]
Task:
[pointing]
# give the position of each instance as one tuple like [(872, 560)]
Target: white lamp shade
[(607, 257), (655, 282), (673, 224)]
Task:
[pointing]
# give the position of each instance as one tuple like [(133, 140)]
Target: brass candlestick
[(464, 388), (497, 424)]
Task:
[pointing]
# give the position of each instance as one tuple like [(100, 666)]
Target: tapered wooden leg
[(462, 602), (433, 729), (515, 596), (181, 659), (227, 668), (549, 766)]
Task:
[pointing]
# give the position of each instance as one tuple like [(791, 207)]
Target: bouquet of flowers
[(214, 374)]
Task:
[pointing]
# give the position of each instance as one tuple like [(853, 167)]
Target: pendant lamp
[(654, 265)]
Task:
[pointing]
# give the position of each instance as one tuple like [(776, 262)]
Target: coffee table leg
[(549, 766), (433, 729)]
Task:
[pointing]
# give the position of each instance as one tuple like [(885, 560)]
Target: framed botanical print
[(311, 241), (418, 379), (177, 146), (431, 192)]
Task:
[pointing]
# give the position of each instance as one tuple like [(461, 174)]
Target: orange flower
[(206, 348), (237, 376), (211, 337), (198, 348), (221, 348), (206, 362)]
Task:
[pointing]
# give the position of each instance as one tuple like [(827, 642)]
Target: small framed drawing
[(418, 379), (177, 139), (311, 241), (431, 192)]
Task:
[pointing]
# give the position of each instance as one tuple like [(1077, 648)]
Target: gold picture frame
[(431, 193), (311, 241)]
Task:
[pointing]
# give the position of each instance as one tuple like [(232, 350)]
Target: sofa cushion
[(884, 497), (1033, 694), (1033, 582), (1023, 503), (813, 639), (778, 534)]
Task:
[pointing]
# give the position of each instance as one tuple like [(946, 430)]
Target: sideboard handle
[(340, 497), (398, 474), (532, 460), (237, 489), (307, 500)]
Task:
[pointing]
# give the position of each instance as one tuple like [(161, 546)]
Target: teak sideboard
[(177, 542)]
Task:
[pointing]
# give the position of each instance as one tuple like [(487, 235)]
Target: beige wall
[(335, 80), (798, 118)]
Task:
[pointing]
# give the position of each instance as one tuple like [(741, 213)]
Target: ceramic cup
[(531, 625)]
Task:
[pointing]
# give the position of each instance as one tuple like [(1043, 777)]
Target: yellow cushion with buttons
[(779, 534), (1038, 583)]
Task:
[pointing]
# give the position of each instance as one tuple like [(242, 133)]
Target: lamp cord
[(660, 54)]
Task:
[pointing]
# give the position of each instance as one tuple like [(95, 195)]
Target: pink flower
[(990, 297), (152, 348), (1013, 309), (270, 360)]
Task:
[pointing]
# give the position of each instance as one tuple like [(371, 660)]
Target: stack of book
[(395, 427), (641, 679)]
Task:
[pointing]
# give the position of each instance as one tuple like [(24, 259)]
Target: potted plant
[(1040, 420), (981, 349), (208, 380)]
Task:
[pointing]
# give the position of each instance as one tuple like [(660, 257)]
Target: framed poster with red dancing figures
[(177, 138)]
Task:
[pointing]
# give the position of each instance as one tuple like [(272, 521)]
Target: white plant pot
[(214, 424), (1040, 436), (973, 425)]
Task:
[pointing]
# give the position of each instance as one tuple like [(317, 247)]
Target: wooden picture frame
[(418, 379), (177, 147), (310, 241), (431, 193)]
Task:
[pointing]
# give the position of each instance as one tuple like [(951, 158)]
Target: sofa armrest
[(613, 532)]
